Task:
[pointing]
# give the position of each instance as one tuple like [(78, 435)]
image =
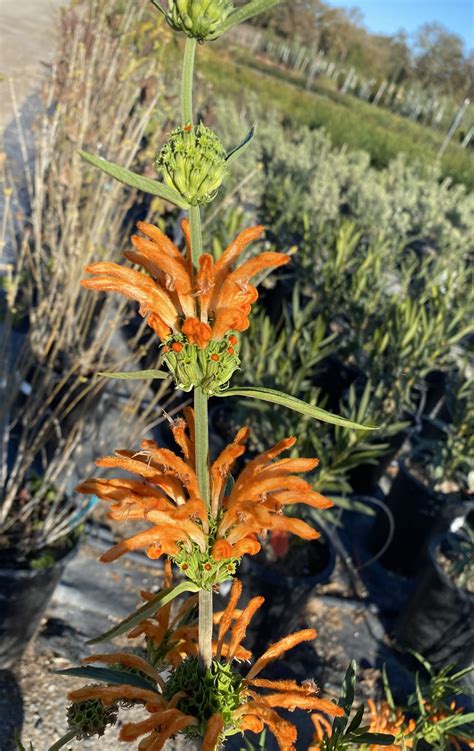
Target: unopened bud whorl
[(193, 162), (199, 19), (91, 717)]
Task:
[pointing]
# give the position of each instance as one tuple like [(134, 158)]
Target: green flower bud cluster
[(217, 689), (202, 569), (209, 367), (193, 162), (91, 717), (200, 19)]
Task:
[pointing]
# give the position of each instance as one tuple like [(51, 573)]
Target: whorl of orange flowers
[(258, 697), (203, 307), (166, 494), (383, 719)]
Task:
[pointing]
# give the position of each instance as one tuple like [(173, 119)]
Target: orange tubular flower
[(383, 719), (187, 699), (256, 708), (167, 495), (260, 493), (204, 308)]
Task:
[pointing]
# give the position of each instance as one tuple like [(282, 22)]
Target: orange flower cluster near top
[(247, 703), (203, 307), (166, 494)]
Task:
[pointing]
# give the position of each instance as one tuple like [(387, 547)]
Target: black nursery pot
[(24, 597), (321, 565), (365, 478), (437, 621), (418, 513)]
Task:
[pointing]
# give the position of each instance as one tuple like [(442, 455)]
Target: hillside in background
[(434, 58)]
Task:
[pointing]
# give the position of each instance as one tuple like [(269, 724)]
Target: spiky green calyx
[(216, 689), (202, 569), (193, 162), (209, 367), (91, 717), (200, 19)]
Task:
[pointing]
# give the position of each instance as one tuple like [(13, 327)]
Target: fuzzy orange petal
[(308, 497), (214, 728), (110, 277), (221, 550), (226, 619), (267, 260), (285, 732), (140, 540), (230, 255), (282, 685), (279, 648), (133, 730), (260, 461), (109, 694), (173, 727), (164, 243), (252, 723), (173, 266), (179, 428), (229, 319), (240, 627), (196, 332), (295, 526), (205, 284), (296, 700), (247, 546), (129, 660), (221, 468)]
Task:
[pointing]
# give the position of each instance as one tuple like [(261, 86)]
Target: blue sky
[(388, 16)]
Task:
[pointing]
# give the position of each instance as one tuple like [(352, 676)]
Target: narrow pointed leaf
[(159, 7), (61, 742), (138, 375), (108, 675), (297, 405), (147, 610), (139, 182), (18, 742), (373, 739), (452, 722), (356, 720), (238, 150), (253, 8)]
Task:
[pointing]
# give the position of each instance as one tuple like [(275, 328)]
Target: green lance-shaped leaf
[(62, 741), (373, 739), (147, 610), (455, 721), (138, 375), (19, 744), (139, 182), (346, 699), (297, 405), (159, 7), (253, 8), (239, 150), (108, 675)]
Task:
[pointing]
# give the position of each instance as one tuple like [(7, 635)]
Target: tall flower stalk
[(200, 516)]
